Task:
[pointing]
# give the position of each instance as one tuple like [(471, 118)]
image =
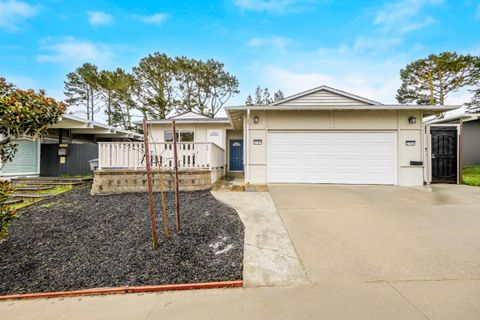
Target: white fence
[(131, 155)]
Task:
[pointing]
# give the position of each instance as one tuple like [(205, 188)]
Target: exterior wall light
[(256, 119), (412, 120)]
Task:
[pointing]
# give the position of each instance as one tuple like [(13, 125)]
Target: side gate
[(76, 161)]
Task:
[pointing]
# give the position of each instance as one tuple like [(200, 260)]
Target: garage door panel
[(332, 157)]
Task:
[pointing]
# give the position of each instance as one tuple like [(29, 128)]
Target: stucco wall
[(339, 120), (471, 143)]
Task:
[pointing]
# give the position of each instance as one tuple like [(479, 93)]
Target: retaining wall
[(128, 180)]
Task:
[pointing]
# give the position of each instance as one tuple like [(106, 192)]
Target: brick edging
[(120, 290)]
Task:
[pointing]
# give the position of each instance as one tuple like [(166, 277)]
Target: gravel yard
[(78, 241)]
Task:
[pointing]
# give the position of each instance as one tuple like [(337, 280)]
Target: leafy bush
[(6, 213)]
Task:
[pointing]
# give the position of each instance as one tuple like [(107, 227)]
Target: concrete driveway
[(374, 233), (369, 253), (423, 242)]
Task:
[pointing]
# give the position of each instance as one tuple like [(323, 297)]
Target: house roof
[(354, 98), (464, 117), (430, 108), (327, 98), (80, 125), (187, 117)]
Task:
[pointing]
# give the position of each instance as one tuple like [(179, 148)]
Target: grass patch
[(57, 190), (17, 206), (87, 176), (471, 176)]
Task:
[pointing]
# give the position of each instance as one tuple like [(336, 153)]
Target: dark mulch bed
[(78, 241)]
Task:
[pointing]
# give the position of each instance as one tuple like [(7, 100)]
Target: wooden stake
[(177, 193), (165, 220), (150, 185)]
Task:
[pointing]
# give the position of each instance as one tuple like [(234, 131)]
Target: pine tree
[(249, 101), (277, 96), (431, 80), (81, 89)]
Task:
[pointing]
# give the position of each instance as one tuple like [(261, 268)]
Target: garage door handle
[(433, 156)]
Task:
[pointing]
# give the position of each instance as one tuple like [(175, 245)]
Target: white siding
[(323, 98)]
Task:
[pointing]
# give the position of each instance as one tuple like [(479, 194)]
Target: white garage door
[(332, 157)]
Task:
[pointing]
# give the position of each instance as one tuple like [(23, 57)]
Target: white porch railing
[(131, 155)]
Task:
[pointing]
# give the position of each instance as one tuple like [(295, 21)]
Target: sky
[(292, 45)]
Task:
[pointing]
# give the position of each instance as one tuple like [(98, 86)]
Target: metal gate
[(444, 155)]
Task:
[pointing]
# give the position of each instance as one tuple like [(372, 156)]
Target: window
[(186, 135), (183, 135)]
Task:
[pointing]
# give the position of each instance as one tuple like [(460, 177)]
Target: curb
[(123, 290)]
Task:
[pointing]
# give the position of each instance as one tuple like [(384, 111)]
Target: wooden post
[(177, 193), (150, 185), (165, 220)]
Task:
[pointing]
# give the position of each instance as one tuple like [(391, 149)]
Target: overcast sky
[(293, 45)]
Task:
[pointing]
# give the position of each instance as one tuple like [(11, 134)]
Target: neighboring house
[(470, 135), (65, 150), (323, 135)]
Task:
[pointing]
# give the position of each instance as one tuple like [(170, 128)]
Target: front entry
[(444, 154), (236, 155)]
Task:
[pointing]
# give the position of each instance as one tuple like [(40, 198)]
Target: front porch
[(122, 167)]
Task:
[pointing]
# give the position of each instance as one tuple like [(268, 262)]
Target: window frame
[(179, 135)]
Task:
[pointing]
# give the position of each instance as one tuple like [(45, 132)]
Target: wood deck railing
[(131, 155)]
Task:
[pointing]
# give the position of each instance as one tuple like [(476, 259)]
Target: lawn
[(471, 176), (78, 241)]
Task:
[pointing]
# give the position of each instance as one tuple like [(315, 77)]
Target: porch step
[(51, 184), (45, 180), (13, 201), (31, 195), (33, 188)]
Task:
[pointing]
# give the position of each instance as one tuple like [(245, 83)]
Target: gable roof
[(189, 115), (324, 95)]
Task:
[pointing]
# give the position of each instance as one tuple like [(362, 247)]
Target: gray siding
[(471, 143), (323, 98)]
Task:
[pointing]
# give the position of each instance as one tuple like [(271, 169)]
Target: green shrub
[(7, 214)]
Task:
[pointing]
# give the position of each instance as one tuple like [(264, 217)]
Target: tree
[(249, 101), (215, 87), (277, 96), (266, 96), (154, 86), (262, 97), (259, 96), (203, 86), (431, 80), (474, 105), (81, 89), (115, 90), (23, 113)]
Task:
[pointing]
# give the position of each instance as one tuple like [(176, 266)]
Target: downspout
[(247, 149)]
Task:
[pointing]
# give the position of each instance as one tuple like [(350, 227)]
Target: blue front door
[(236, 155)]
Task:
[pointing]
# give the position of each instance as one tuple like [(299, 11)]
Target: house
[(322, 135), (470, 135), (65, 150)]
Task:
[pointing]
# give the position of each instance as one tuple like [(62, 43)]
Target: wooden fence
[(131, 155)]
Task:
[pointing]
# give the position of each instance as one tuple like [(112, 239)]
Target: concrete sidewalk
[(269, 257)]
